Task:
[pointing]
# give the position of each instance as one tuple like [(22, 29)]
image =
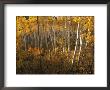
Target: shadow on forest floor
[(56, 64)]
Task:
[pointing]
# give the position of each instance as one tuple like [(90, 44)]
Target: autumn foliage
[(55, 44)]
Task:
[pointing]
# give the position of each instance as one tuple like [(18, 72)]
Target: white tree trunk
[(80, 47), (76, 42), (68, 41)]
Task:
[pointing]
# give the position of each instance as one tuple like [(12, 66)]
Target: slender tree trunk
[(76, 42), (38, 30), (63, 41), (46, 34), (69, 35), (68, 41), (80, 46), (65, 26), (54, 38), (41, 37), (35, 38), (54, 41)]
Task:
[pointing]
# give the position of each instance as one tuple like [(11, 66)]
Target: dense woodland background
[(54, 44)]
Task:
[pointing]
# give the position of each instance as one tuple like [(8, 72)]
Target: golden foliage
[(46, 44)]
